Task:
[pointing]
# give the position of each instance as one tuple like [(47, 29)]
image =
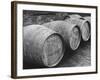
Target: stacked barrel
[(45, 44)]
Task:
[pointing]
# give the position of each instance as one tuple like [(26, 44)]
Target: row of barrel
[(45, 44)]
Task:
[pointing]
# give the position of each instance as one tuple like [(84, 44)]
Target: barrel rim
[(79, 38), (86, 21), (63, 50)]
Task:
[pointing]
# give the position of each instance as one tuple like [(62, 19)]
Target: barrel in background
[(75, 16), (42, 46), (70, 32), (84, 26), (88, 18)]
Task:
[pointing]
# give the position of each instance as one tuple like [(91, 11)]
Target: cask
[(84, 26), (42, 46), (70, 32)]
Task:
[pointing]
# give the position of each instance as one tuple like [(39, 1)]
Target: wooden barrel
[(84, 26), (42, 46), (75, 16), (70, 32), (88, 18)]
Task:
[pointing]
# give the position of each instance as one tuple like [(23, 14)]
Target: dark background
[(40, 17)]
